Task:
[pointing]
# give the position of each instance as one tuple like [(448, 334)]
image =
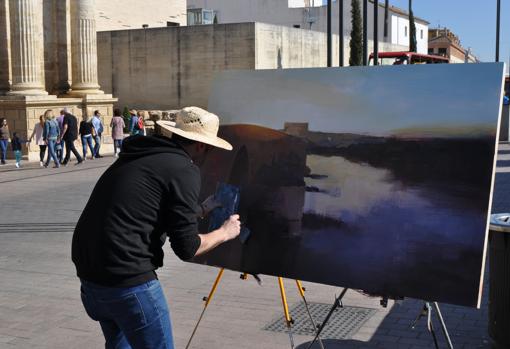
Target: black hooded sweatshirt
[(149, 193)]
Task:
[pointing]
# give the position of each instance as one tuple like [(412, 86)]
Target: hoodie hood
[(139, 146)]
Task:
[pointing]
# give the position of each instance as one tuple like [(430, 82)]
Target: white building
[(307, 14), (133, 14)]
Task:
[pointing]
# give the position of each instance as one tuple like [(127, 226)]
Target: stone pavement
[(39, 294)]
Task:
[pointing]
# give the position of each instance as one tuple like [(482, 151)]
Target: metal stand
[(337, 304), (288, 319), (427, 311)]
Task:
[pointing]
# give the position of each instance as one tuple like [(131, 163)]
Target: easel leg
[(336, 304), (288, 319), (207, 301), (443, 326), (427, 311), (302, 293)]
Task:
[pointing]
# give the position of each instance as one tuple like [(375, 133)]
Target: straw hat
[(198, 125)]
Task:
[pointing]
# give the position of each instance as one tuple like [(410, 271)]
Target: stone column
[(5, 45), (27, 50), (84, 48)]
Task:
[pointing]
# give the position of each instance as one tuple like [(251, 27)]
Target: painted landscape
[(376, 179)]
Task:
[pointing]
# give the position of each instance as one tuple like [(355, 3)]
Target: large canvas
[(373, 178)]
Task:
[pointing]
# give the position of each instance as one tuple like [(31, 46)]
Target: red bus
[(403, 57)]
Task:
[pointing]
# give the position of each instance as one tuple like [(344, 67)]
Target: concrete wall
[(278, 47), (131, 14), (168, 68)]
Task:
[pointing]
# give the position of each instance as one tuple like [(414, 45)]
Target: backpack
[(139, 124)]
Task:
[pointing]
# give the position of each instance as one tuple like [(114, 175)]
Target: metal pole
[(330, 37), (341, 31), (365, 36), (376, 32), (386, 10), (498, 22)]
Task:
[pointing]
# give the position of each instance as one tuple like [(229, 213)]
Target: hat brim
[(215, 142)]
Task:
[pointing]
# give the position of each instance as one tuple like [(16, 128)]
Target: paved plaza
[(40, 303)]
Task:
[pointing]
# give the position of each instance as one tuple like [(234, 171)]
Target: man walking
[(69, 135), (59, 147), (98, 127), (150, 193)]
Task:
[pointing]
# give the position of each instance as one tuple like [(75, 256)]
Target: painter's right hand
[(231, 227)]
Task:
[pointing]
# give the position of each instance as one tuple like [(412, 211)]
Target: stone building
[(443, 42), (48, 60)]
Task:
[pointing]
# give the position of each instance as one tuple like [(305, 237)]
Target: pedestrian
[(117, 243), (59, 147), (5, 137), (69, 135), (134, 127), (37, 133), (141, 124), (98, 127), (117, 124), (16, 144), (87, 133), (51, 137)]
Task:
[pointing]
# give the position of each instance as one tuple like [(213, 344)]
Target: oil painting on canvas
[(373, 178)]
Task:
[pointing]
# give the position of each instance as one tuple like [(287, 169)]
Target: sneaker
[(17, 165), (80, 162), (41, 163), (3, 162), (57, 165)]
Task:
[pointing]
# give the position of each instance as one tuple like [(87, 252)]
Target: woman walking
[(39, 140), (5, 137), (86, 133), (117, 124), (51, 135)]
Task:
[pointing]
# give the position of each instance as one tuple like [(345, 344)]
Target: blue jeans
[(133, 317), (97, 145), (51, 152), (84, 141), (3, 147), (117, 145), (60, 152), (18, 155)]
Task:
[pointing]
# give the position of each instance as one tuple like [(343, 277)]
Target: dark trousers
[(70, 148), (42, 151)]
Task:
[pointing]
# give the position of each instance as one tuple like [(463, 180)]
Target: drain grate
[(343, 324), (36, 227)]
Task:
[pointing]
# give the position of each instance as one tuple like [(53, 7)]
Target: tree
[(412, 29), (356, 43)]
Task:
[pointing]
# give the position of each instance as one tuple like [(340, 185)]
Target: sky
[(386, 100), (473, 21)]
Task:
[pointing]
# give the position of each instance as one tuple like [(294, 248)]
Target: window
[(431, 51), (405, 31), (297, 26), (421, 34), (442, 51), (197, 16)]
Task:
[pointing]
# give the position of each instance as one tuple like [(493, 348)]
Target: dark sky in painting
[(419, 100)]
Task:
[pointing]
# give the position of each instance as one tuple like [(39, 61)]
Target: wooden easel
[(288, 319)]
